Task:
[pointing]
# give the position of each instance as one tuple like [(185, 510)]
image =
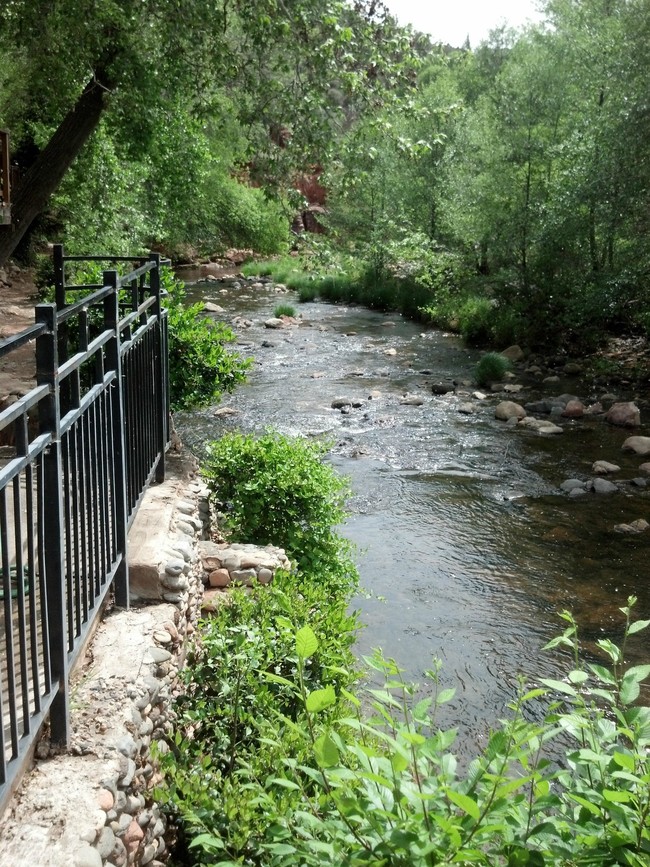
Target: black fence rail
[(81, 448)]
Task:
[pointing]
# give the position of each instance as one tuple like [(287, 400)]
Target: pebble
[(106, 843), (87, 856)]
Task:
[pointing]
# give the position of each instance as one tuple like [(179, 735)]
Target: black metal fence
[(80, 450)]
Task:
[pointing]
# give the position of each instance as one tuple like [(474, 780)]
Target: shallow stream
[(468, 548)]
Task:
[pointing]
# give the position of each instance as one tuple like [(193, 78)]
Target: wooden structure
[(5, 180)]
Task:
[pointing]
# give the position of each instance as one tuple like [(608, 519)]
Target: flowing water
[(468, 549)]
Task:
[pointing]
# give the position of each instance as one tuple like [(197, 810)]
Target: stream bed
[(468, 549)]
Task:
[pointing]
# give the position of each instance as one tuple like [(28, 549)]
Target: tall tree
[(294, 63)]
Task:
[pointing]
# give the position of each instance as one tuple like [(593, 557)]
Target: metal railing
[(82, 447)]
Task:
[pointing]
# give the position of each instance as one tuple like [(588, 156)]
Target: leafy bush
[(201, 368), (275, 489), (284, 310), (491, 367), (327, 777), (474, 320)]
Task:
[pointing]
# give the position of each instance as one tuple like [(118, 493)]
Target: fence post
[(47, 373), (59, 276), (161, 368), (114, 362)]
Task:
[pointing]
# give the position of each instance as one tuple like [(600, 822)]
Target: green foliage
[(492, 367), (275, 489), (328, 777), (201, 368), (284, 310), (475, 316)]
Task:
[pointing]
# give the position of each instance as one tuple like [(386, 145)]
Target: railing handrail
[(8, 344), (76, 477)]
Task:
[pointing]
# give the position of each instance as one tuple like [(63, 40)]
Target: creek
[(468, 549)]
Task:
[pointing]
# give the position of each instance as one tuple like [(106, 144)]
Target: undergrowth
[(281, 758)]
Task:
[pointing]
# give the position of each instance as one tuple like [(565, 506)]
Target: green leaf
[(625, 760), (637, 672), (467, 805), (637, 626), (629, 691), (445, 695), (275, 678), (326, 751), (320, 699), (617, 796), (558, 686), (306, 642), (399, 762)]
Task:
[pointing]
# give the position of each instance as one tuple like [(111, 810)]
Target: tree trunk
[(45, 175)]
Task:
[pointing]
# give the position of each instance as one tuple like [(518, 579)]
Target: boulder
[(341, 402), (602, 468), (514, 353), (624, 415), (507, 409), (637, 526), (274, 322), (574, 409), (602, 486), (411, 400), (639, 445), (573, 484), (645, 468), (443, 387)]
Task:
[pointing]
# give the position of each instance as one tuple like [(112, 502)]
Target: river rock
[(533, 423), (274, 322), (479, 395), (645, 468), (210, 307), (624, 415), (573, 484), (602, 468), (513, 388), (219, 578), (411, 400), (390, 351), (466, 408), (443, 387), (574, 409), (572, 368), (639, 445), (594, 409), (542, 407), (548, 428), (341, 402), (514, 353), (602, 486), (552, 378), (509, 409), (637, 526)]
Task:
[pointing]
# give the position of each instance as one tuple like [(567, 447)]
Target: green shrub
[(474, 320), (492, 367), (284, 310), (275, 489), (321, 776), (201, 368), (307, 292)]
